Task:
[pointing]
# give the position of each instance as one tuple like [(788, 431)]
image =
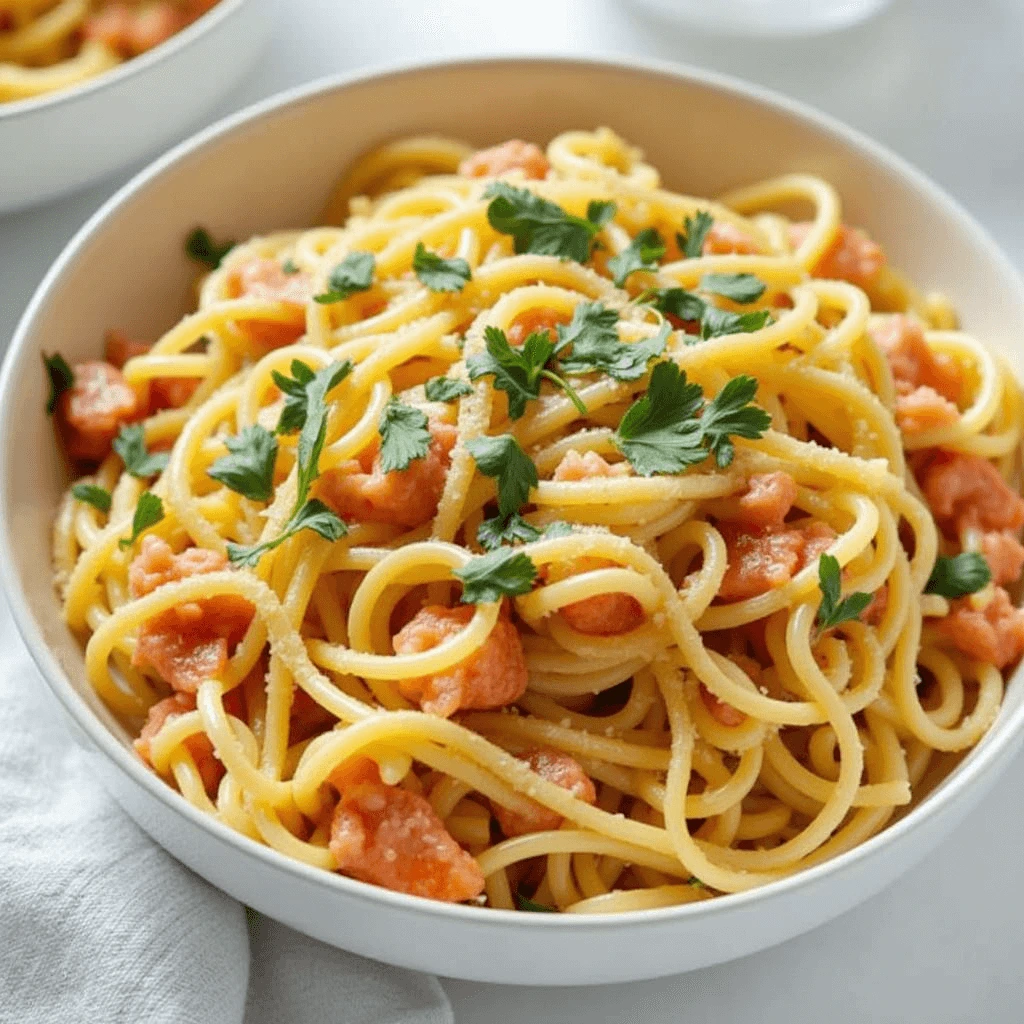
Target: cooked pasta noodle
[(652, 690)]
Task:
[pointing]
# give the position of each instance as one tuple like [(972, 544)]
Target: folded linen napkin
[(99, 924)]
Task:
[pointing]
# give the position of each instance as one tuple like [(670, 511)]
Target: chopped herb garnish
[(404, 436), (290, 266), (502, 573), (148, 512), (249, 468), (691, 239), (595, 345), (643, 253), (313, 515), (440, 275), (92, 494), (832, 611), (539, 226), (671, 427), (296, 390), (200, 247), (958, 576), (740, 288), (513, 529), (678, 302), (62, 378), (446, 389), (353, 274), (713, 321), (531, 906), (695, 882), (130, 444), (503, 459)]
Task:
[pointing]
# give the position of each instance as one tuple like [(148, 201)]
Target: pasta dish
[(534, 536), (51, 45)]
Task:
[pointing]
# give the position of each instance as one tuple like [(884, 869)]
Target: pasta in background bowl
[(656, 529)]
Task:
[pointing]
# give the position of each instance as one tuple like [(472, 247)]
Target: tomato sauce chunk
[(758, 563), (390, 837), (556, 767), (164, 392), (266, 281), (924, 409), (514, 155), (491, 677), (92, 411), (767, 500), (966, 491), (994, 634), (199, 746), (852, 256), (360, 491), (1004, 554), (723, 713), (913, 363)]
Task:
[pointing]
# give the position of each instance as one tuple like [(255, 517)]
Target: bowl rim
[(224, 9), (980, 762)]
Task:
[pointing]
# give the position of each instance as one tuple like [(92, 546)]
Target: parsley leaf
[(695, 230), (290, 266), (716, 322), (595, 344), (403, 435), (249, 468), (740, 288), (503, 459), (963, 574), (502, 573), (832, 611), (62, 378), (92, 494), (732, 413), (494, 532), (296, 395), (200, 247), (446, 389), (353, 274), (643, 253), (130, 444), (440, 275), (524, 903), (671, 427), (713, 321), (677, 302), (148, 512), (540, 226), (313, 515)]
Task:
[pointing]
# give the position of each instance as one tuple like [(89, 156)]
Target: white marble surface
[(941, 82)]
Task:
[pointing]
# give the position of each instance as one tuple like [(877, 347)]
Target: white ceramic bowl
[(54, 144), (706, 134)]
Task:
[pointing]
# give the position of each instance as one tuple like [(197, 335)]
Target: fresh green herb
[(691, 239), (290, 266), (62, 378), (148, 512), (677, 302), (446, 389), (296, 390), (502, 573), (671, 427), (513, 529), (643, 253), (540, 226), (249, 468), (404, 436), (130, 444), (716, 322), (92, 494), (695, 882), (531, 906), (313, 515), (963, 574), (832, 611), (740, 288), (595, 345), (519, 371), (200, 247), (440, 275), (353, 274), (503, 459)]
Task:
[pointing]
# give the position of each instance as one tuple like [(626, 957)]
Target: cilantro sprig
[(835, 609), (149, 510), (642, 253), (62, 378), (672, 427), (695, 230), (446, 389), (248, 469), (130, 444), (504, 572), (404, 436), (514, 529), (92, 494), (540, 226), (503, 459), (712, 320), (741, 288), (959, 575), (296, 391), (440, 275), (353, 274), (201, 247)]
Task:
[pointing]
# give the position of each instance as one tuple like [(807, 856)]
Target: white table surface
[(940, 81)]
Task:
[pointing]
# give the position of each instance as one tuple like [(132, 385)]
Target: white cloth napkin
[(98, 924)]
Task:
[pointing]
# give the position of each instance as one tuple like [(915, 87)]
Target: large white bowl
[(64, 140), (706, 134)]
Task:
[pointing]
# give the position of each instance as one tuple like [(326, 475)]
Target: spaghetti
[(541, 537), (50, 45)]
